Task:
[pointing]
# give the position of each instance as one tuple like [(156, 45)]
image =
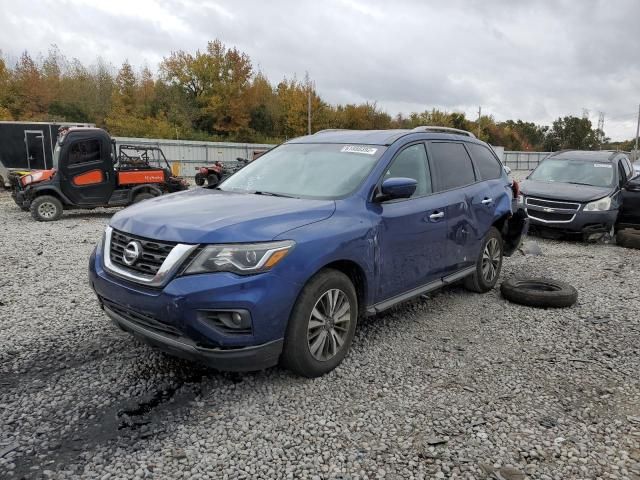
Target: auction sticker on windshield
[(359, 149), (602, 165)]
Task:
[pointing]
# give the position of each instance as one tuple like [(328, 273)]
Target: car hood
[(213, 216), (563, 191)]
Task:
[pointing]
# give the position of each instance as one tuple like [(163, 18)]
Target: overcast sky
[(532, 60)]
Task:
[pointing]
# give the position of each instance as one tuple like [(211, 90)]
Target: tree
[(571, 132)]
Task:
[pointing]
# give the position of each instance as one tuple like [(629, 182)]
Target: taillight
[(515, 188)]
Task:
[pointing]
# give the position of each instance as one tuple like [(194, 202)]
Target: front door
[(412, 234), (34, 146), (87, 171)]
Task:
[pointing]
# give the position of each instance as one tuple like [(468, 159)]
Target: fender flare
[(35, 191)]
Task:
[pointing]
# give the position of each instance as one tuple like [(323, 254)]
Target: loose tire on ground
[(142, 196), (488, 265), (628, 238), (320, 330), (46, 208), (213, 180), (539, 292), (199, 179)]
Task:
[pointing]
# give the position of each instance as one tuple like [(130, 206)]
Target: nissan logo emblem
[(131, 253)]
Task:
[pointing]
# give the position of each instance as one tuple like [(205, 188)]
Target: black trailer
[(29, 145)]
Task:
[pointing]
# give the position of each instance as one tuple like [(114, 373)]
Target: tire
[(199, 179), (213, 180), (488, 265), (628, 238), (142, 196), (313, 332), (539, 292), (46, 208)]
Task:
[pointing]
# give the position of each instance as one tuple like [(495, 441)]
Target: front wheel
[(46, 208), (488, 265), (199, 179), (322, 324)]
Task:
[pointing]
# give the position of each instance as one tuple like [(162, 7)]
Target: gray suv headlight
[(243, 259), (599, 205)]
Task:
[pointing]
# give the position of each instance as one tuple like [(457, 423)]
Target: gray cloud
[(529, 60)]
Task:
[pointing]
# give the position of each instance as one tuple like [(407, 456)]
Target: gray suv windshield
[(597, 174)]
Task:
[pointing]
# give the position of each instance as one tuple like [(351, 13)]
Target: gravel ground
[(453, 385)]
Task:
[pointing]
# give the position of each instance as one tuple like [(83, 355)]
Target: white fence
[(185, 155), (523, 160)]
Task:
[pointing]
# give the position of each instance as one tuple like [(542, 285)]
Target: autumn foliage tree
[(217, 94)]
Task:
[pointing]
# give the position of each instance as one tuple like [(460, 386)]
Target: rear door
[(489, 192), (455, 182), (412, 234), (87, 170)]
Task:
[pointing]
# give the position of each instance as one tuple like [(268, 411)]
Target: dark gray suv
[(577, 192)]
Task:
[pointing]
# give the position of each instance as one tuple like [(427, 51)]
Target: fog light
[(228, 321)]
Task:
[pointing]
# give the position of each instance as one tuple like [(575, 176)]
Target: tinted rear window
[(487, 165), (452, 165)]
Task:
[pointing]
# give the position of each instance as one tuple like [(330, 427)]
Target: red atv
[(213, 174)]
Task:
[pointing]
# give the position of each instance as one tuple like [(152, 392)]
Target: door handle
[(487, 201), (436, 216)]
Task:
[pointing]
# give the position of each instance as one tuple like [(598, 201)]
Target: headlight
[(599, 205), (243, 259)]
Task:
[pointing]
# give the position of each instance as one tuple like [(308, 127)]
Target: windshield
[(325, 171), (574, 171)]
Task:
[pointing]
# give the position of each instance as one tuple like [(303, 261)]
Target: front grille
[(139, 318), (551, 211), (551, 216), (152, 256), (544, 203)]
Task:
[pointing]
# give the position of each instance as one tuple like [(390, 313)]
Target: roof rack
[(455, 131), (331, 130)]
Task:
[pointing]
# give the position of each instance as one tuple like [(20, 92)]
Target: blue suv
[(278, 262)]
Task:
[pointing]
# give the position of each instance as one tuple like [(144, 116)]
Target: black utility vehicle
[(85, 174), (577, 192)]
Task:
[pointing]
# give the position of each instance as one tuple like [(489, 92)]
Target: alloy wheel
[(47, 210), (329, 324), (490, 260)]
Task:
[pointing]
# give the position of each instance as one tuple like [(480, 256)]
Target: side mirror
[(397, 187), (507, 169)]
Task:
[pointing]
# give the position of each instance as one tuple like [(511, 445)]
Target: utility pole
[(637, 128), (600, 129), (309, 110), (479, 115)]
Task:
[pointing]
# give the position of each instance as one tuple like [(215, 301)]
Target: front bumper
[(172, 319), (582, 222), (239, 359)]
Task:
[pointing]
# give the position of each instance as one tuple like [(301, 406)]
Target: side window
[(622, 174), (628, 169), (452, 165), (84, 152), (412, 163), (487, 165)]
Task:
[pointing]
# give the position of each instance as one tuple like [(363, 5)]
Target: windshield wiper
[(272, 194), (579, 183)]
